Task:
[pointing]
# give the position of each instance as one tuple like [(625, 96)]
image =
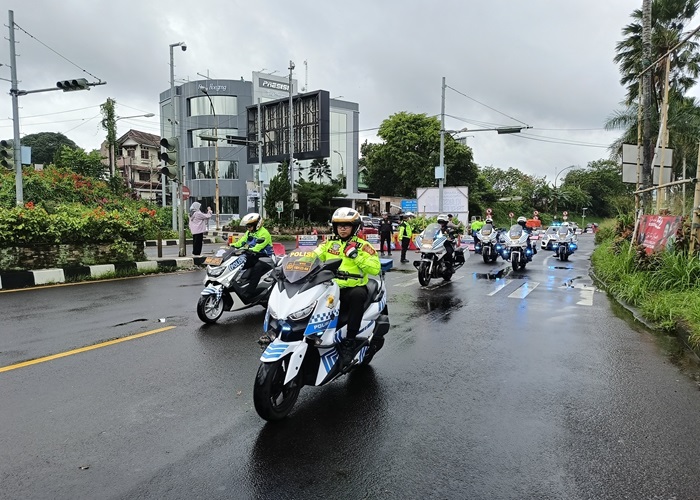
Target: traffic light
[(170, 158), (71, 85), (7, 154)]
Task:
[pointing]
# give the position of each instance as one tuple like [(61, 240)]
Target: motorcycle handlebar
[(343, 274)]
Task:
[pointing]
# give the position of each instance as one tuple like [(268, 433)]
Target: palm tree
[(668, 21)]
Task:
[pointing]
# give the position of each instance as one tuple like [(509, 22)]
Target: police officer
[(359, 257), (254, 232), (450, 231), (386, 231), (405, 233), (522, 222)]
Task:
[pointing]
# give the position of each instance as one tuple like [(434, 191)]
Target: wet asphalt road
[(531, 385)]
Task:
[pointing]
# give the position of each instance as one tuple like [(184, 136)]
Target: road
[(497, 385)]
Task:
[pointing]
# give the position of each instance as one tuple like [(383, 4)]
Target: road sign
[(535, 213), (565, 213), (279, 206), (536, 217), (565, 217), (511, 215), (489, 211), (185, 193)]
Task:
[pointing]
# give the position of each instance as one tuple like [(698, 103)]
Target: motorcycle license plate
[(213, 261)]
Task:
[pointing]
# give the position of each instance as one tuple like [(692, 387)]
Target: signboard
[(564, 213), (565, 217), (536, 213), (409, 206), (307, 240), (279, 206), (511, 214), (657, 232), (630, 153), (489, 211), (185, 193), (455, 201)]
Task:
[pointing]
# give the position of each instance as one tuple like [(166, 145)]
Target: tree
[(595, 187), (45, 145), (80, 162), (315, 200), (407, 158), (109, 123), (320, 169), (279, 190)]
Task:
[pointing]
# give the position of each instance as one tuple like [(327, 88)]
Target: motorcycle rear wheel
[(207, 311), (272, 398), (424, 274)]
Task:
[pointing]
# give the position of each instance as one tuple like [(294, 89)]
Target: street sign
[(511, 215), (185, 193), (279, 206), (565, 217), (535, 213), (489, 211), (565, 213)]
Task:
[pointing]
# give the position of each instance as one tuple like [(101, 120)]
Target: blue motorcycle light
[(285, 329), (528, 251), (573, 246), (477, 247), (499, 248)]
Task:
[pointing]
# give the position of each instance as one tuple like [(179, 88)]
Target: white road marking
[(524, 290), (500, 286)]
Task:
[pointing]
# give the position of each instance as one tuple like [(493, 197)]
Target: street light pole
[(556, 177), (216, 156), (291, 134), (441, 180), (583, 218), (342, 167), (178, 216)]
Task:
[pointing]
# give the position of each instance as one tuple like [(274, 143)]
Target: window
[(198, 142), (144, 154), (131, 153), (223, 105), (206, 169)]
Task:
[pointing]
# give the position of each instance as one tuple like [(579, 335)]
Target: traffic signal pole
[(19, 193)]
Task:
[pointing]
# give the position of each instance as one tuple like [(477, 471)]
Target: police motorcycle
[(303, 317), (488, 243), (515, 247), (565, 243), (431, 243), (226, 283)]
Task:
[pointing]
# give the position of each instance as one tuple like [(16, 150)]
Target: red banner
[(656, 232)]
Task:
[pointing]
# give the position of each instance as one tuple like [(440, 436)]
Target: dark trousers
[(257, 269), (405, 243), (449, 252), (385, 237), (352, 300), (197, 240)]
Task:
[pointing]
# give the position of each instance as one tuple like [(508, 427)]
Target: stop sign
[(185, 193)]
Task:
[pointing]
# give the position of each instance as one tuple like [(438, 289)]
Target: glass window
[(144, 154), (205, 169), (198, 142), (228, 205), (223, 105)]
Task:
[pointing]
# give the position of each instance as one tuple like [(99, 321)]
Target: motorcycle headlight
[(216, 271), (302, 313)]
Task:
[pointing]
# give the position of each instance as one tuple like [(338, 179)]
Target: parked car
[(367, 221)]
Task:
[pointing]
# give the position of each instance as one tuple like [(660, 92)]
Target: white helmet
[(252, 221), (565, 224), (488, 220), (442, 218), (348, 216)]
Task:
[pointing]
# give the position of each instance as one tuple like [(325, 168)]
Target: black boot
[(347, 351)]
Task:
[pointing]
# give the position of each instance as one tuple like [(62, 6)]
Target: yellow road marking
[(82, 349)]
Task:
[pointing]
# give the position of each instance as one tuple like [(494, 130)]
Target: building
[(218, 108), (136, 160)]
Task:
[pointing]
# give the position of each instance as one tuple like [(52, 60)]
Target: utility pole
[(14, 90), (695, 226), (441, 181), (259, 184)]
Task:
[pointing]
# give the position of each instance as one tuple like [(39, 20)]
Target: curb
[(11, 280), (154, 243)]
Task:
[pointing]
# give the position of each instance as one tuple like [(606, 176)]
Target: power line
[(54, 113), (485, 105), (562, 142), (56, 52)]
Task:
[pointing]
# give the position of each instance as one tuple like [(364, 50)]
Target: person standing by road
[(405, 233), (198, 224), (386, 231)]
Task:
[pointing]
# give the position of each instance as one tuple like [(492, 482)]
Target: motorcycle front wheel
[(515, 262), (424, 274), (208, 310), (272, 398)]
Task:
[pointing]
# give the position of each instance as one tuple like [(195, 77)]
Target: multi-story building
[(136, 160), (207, 108)]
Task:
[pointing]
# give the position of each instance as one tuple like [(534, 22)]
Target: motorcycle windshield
[(298, 265), (431, 233), (515, 232), (563, 232)]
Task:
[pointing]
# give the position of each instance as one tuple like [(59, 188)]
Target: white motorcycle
[(564, 244), (226, 283), (515, 247), (431, 243), (303, 317), (488, 244)]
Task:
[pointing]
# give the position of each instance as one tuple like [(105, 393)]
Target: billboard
[(657, 232), (455, 201), (311, 128), (630, 154)]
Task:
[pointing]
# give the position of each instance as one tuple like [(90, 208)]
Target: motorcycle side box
[(381, 327), (459, 256)]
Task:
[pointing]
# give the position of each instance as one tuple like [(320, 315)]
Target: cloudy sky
[(544, 63)]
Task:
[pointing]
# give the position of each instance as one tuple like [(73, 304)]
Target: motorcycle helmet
[(442, 219), (252, 221), (488, 220), (522, 221), (565, 224), (345, 215)]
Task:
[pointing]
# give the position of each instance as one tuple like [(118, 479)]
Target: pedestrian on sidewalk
[(386, 231), (198, 224)]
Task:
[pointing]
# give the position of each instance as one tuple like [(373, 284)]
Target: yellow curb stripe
[(82, 349)]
